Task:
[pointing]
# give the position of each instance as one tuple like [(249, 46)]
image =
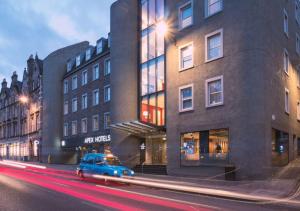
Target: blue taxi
[(103, 164)]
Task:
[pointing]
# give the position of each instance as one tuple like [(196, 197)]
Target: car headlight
[(115, 172), (132, 172)]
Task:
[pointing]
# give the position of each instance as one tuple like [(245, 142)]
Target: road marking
[(160, 197)]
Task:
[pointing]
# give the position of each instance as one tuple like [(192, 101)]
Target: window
[(280, 148), (74, 82), (186, 56), (84, 125), (185, 15), (285, 23), (84, 78), (107, 93), (66, 107), (69, 66), (78, 60), (95, 122), (74, 127), (100, 46), (96, 97), (297, 11), (107, 67), (286, 61), (214, 91), (84, 101), (96, 72), (210, 146), (87, 54), (186, 98), (214, 45), (74, 104), (66, 86), (298, 110), (287, 101), (212, 7), (106, 120), (66, 129), (297, 43)]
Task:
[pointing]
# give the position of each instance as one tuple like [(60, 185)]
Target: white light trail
[(12, 165), (25, 164)]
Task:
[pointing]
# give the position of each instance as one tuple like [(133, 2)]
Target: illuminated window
[(285, 23), (66, 107), (84, 125), (78, 60), (287, 101), (95, 122), (214, 91), (84, 77), (212, 7), (160, 109), (74, 82), (96, 72), (286, 61), (298, 110), (74, 127), (74, 104), (87, 54), (107, 93), (107, 67), (66, 129), (214, 45), (280, 148), (96, 97), (66, 86), (106, 120), (186, 56), (84, 101), (186, 98), (185, 15), (190, 143), (297, 43)]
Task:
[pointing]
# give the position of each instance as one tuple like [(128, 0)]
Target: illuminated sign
[(97, 139)]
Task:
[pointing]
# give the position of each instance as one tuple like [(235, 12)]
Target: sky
[(42, 26)]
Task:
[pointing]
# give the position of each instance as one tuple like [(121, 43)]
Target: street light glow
[(162, 28), (23, 99)]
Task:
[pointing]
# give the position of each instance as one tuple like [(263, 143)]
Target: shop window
[(190, 143), (208, 147), (144, 109), (280, 148)]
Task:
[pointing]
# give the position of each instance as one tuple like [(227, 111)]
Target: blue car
[(103, 164)]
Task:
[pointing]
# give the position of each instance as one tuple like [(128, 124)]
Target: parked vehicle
[(103, 164)]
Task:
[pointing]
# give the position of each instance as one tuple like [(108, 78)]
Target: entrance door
[(157, 151)]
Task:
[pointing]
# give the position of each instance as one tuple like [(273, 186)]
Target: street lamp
[(23, 100)]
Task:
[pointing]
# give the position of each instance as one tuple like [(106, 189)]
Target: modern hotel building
[(198, 86)]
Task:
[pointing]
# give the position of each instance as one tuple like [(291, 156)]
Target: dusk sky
[(39, 26)]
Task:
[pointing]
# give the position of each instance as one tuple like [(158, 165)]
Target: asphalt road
[(49, 189)]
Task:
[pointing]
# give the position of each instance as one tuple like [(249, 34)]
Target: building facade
[(86, 104), (20, 124), (202, 90)]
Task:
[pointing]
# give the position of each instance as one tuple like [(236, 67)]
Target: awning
[(136, 128)]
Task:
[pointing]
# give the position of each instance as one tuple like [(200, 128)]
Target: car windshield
[(114, 161)]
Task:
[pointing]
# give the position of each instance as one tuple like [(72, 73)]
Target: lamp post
[(25, 101)]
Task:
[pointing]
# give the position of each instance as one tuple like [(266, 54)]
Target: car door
[(88, 165), (99, 165)]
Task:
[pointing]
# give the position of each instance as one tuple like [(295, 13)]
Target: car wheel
[(80, 174)]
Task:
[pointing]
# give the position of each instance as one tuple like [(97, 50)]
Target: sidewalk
[(283, 186)]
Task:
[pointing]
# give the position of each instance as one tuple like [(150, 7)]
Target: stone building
[(20, 106)]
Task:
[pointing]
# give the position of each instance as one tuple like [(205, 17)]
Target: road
[(31, 189)]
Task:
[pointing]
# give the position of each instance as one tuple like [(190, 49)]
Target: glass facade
[(152, 64)]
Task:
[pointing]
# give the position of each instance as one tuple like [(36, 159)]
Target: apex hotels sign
[(97, 139)]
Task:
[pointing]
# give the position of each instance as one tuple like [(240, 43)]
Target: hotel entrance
[(156, 151)]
